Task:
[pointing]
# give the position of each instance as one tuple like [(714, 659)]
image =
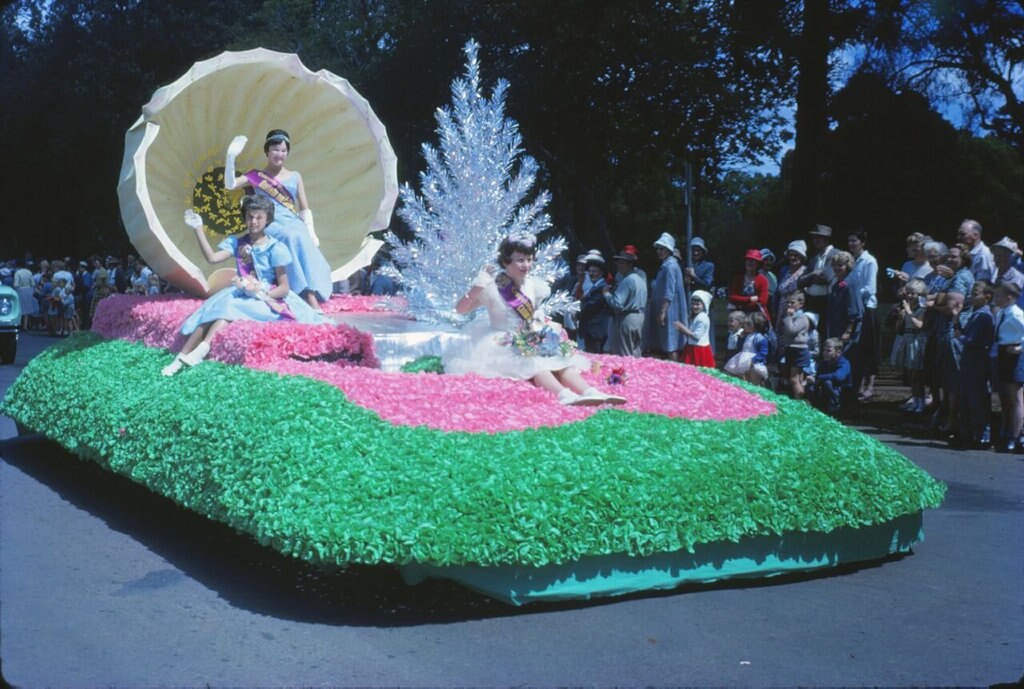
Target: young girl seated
[(751, 363), (911, 338), (697, 351), (516, 340), (259, 292)]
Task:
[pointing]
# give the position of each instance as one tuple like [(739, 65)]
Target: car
[(10, 318)]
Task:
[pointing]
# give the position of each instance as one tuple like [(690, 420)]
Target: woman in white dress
[(516, 340)]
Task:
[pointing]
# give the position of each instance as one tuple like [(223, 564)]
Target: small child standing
[(911, 338), (793, 328), (833, 378), (735, 324), (813, 346), (1006, 349), (977, 330), (697, 351)]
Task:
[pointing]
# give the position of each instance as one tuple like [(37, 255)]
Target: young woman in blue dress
[(259, 292), (309, 274)]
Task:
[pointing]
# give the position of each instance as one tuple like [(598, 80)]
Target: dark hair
[(523, 243), (758, 323), (1009, 288), (860, 233), (258, 202), (986, 288), (276, 136)]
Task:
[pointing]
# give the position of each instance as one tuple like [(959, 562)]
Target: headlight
[(6, 306)]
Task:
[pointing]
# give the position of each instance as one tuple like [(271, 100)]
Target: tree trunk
[(811, 115)]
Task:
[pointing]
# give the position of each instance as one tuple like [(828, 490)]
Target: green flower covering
[(424, 364), (302, 469)]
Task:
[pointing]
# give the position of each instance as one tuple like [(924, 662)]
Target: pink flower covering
[(339, 303), (448, 403), (491, 405), (156, 322)]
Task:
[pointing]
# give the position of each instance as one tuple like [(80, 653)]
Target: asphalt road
[(104, 584)]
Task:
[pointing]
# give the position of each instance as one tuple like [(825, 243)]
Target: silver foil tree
[(473, 193)]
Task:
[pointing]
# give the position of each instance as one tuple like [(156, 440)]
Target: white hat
[(697, 241), (705, 298), (667, 241), (593, 256), (799, 246), (1006, 243)]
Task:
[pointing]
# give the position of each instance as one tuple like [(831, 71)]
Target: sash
[(246, 267), (273, 188), (514, 297)]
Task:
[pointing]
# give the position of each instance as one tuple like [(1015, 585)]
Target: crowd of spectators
[(807, 327), (59, 295)]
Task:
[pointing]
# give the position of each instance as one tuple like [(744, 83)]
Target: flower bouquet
[(538, 338)]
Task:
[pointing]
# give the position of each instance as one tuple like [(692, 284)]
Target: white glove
[(483, 279), (307, 217), (193, 219), (234, 148)]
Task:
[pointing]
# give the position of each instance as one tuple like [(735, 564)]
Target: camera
[(891, 272)]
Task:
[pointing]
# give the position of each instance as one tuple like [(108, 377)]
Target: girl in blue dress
[(309, 274), (259, 292)]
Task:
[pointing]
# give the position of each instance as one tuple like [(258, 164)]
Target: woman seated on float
[(260, 291), (309, 274), (516, 340)]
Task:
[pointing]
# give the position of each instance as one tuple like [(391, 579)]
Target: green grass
[(293, 463)]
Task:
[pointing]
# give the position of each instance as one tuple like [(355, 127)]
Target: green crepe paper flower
[(319, 478)]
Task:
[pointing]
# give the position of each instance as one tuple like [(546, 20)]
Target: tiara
[(521, 237), (279, 137)]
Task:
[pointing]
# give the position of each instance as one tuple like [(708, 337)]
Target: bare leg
[(796, 383), (572, 379), (311, 299), (547, 380)]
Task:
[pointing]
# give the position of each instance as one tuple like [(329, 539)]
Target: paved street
[(101, 583)]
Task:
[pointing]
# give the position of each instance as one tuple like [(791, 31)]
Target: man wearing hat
[(667, 302), (627, 304), (817, 282), (593, 317)]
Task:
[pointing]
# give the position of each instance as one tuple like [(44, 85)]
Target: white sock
[(566, 396)]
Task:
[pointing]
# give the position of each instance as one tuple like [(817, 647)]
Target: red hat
[(754, 254), (628, 253)]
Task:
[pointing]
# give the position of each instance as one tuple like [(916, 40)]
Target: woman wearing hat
[(791, 272), (667, 302), (749, 291)]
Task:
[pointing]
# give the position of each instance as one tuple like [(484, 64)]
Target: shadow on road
[(263, 581)]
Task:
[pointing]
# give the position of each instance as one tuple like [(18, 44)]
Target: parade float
[(343, 444)]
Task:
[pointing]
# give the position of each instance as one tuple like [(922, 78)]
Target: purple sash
[(273, 188), (514, 297), (246, 268)]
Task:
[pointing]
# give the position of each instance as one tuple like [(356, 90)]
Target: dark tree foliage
[(613, 99)]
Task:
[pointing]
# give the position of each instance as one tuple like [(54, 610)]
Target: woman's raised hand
[(193, 219), (236, 145)]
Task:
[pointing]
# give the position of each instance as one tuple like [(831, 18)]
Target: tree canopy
[(612, 99)]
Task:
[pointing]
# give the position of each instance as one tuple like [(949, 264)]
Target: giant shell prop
[(174, 157)]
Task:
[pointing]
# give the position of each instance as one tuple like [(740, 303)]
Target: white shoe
[(595, 396), (196, 355), (173, 367), (567, 397)]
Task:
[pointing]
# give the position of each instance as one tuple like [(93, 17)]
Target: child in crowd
[(68, 313), (735, 324), (975, 331), (697, 351), (911, 338), (751, 363), (813, 346), (1006, 349), (829, 386), (56, 306), (793, 329), (154, 284)]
